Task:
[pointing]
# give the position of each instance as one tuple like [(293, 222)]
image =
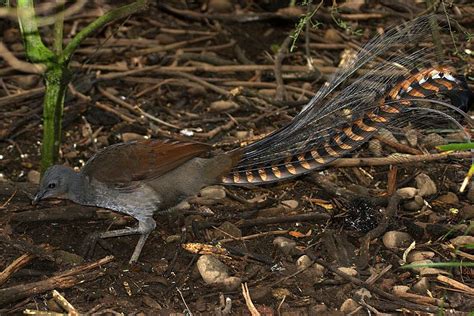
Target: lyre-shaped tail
[(341, 140)]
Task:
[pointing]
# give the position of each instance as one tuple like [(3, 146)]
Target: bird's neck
[(79, 190)]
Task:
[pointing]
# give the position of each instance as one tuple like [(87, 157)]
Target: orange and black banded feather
[(418, 84)]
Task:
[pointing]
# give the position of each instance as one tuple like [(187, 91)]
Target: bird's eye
[(51, 185)]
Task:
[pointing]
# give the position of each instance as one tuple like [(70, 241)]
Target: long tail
[(326, 130)]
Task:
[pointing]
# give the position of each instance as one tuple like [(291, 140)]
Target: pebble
[(332, 36), (414, 205), (292, 204), (470, 193), (375, 147), (216, 192), (34, 176), (448, 198), (232, 283), (400, 289), (286, 245), (212, 270), (260, 294), (461, 241), (432, 140), (349, 306), (241, 135), (348, 270), (467, 212), (407, 193), (126, 137), (280, 293), (222, 106), (303, 262), (425, 185), (418, 255), (221, 6), (421, 286), (411, 137), (68, 257), (172, 238), (396, 239)]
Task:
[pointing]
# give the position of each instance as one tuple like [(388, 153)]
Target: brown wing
[(124, 163)]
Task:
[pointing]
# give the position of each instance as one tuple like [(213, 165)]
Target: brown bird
[(141, 178)]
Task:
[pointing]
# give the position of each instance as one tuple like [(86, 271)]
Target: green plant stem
[(56, 79), (98, 23), (456, 146), (58, 29), (36, 51)]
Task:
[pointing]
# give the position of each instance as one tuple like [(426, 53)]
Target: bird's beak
[(37, 198)]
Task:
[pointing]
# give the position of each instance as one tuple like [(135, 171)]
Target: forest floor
[(177, 72)]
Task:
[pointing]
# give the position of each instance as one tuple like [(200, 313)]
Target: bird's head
[(56, 183)]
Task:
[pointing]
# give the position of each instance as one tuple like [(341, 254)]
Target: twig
[(280, 90), (61, 280), (16, 265), (248, 300)]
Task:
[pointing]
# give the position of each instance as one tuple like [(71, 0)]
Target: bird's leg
[(145, 227)]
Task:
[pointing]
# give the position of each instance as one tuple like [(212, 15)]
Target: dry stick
[(396, 160), (212, 133), (13, 267), (213, 69), (283, 219), (163, 48), (24, 95), (267, 85), (280, 90), (107, 108), (398, 146), (61, 280), (456, 284), (393, 298)]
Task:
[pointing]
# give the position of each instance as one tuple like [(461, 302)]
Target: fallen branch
[(62, 280)]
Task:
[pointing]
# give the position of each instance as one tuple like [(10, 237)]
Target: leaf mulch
[(332, 242)]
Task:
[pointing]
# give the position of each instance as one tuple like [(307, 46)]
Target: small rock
[(449, 198), (425, 185), (221, 6), (231, 283), (375, 147), (461, 241), (222, 105), (467, 212), (407, 193), (212, 270), (292, 204), (395, 239), (227, 229), (286, 245), (260, 293), (127, 137), (400, 289), (470, 193), (422, 286), (332, 36), (242, 134), (417, 255), (349, 271), (197, 91), (216, 192), (34, 177), (414, 205), (432, 140), (349, 306), (303, 262), (412, 137)]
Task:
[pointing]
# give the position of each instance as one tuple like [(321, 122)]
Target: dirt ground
[(285, 241)]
